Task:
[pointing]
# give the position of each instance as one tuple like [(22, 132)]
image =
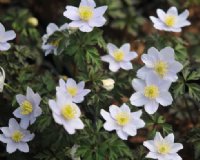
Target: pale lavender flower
[(16, 137), (29, 108), (73, 90), (4, 37)]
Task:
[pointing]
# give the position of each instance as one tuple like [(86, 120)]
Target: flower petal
[(151, 107)]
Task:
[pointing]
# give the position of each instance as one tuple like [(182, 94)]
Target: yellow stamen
[(26, 107), (17, 136), (170, 20), (72, 91), (55, 43), (122, 118), (68, 112), (163, 148), (151, 91), (85, 13), (118, 55), (161, 68)]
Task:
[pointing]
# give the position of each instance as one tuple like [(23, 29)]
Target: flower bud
[(108, 84), (2, 79), (33, 21)]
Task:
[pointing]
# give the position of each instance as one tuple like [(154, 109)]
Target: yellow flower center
[(170, 20), (118, 55), (17, 136), (85, 13), (72, 90), (161, 68), (68, 112), (151, 91), (26, 107), (55, 43), (122, 118), (163, 148)]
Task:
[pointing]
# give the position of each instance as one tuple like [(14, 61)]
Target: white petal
[(176, 147), (4, 139), (58, 119), (11, 147), (4, 46), (130, 56), (111, 48), (175, 67), (161, 14), (107, 58), (90, 3), (138, 99), (167, 54), (150, 58), (23, 147), (130, 129), (71, 82), (75, 24), (53, 106), (2, 28), (184, 14), (114, 66), (137, 114), (142, 72), (151, 107), (126, 65), (172, 11), (97, 22), (173, 156), (138, 123), (158, 138), (28, 137), (37, 112), (138, 84), (165, 99), (170, 138), (72, 13), (51, 28), (86, 28), (105, 115), (125, 48), (13, 124), (9, 35), (99, 11), (81, 85), (77, 123), (164, 85), (6, 131), (114, 110), (150, 145), (125, 108), (153, 155), (122, 135), (111, 125), (24, 123), (69, 129)]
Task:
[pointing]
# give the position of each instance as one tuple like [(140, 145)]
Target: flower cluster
[(64, 109), (16, 135), (151, 85)]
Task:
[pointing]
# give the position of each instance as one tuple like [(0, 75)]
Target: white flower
[(29, 108), (86, 16), (2, 79), (163, 148), (122, 120), (16, 137), (52, 28), (108, 84), (160, 63), (73, 152), (66, 113), (150, 93), (4, 37), (73, 90), (170, 21), (119, 57)]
